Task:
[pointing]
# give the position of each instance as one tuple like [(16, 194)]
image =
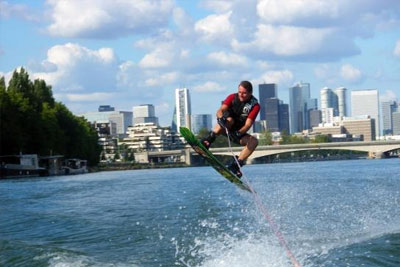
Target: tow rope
[(263, 210)]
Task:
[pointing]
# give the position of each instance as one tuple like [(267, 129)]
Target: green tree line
[(32, 122)]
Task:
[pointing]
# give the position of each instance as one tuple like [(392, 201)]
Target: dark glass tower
[(265, 91), (272, 114)]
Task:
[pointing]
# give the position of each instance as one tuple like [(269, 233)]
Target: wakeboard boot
[(234, 168), (207, 141)]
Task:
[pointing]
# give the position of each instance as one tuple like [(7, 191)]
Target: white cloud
[(281, 77), (285, 40), (350, 73), (218, 6), (162, 108), (228, 59), (77, 68), (209, 87), (215, 28), (396, 50), (388, 95), (107, 19), (8, 10), (289, 11), (162, 79), (159, 58), (92, 97), (183, 21)]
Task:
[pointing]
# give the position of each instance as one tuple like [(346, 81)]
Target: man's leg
[(250, 143)]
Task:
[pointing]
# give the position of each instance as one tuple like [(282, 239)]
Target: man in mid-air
[(237, 114)]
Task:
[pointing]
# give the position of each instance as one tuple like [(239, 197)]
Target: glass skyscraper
[(265, 91), (201, 121), (299, 96)]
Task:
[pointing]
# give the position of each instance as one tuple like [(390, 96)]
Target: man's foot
[(234, 168), (207, 141)]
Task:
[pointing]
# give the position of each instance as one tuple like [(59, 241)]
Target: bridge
[(375, 149)]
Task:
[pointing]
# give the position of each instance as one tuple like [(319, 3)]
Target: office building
[(299, 96), (122, 119), (341, 101), (183, 108), (201, 121), (388, 108), (329, 100), (315, 117), (360, 126), (396, 122), (327, 115), (266, 91), (144, 114), (104, 108), (272, 114), (366, 103), (335, 100), (173, 122), (284, 124)]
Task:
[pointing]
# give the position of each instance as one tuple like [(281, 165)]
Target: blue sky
[(126, 53)]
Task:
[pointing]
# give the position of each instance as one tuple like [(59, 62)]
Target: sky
[(126, 53)]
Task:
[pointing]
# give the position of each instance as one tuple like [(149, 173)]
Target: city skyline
[(127, 53)]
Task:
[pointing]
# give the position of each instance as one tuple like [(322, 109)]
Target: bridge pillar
[(188, 156)]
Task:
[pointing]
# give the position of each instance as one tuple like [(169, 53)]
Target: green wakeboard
[(214, 162)]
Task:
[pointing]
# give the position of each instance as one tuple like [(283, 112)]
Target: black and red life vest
[(240, 110)]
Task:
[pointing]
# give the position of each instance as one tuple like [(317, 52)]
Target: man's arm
[(247, 125), (221, 110)]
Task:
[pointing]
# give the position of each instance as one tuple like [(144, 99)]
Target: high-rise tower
[(388, 108), (265, 91), (341, 101), (299, 96), (366, 102), (183, 109)]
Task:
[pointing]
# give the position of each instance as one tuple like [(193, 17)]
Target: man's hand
[(236, 136), (223, 120)]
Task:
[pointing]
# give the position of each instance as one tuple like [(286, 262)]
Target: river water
[(336, 213)]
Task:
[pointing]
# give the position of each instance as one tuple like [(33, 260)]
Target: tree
[(292, 139), (321, 139), (266, 138), (31, 121)]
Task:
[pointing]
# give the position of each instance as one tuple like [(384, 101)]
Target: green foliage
[(321, 139), (292, 139), (31, 121), (266, 138)]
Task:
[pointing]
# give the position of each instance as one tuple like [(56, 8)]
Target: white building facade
[(183, 108), (366, 103)]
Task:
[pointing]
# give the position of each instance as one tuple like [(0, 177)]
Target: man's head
[(245, 91)]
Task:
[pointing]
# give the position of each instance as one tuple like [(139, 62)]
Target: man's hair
[(247, 85)]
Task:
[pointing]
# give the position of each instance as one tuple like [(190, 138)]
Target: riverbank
[(122, 166)]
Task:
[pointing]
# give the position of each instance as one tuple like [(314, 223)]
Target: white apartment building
[(151, 137)]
